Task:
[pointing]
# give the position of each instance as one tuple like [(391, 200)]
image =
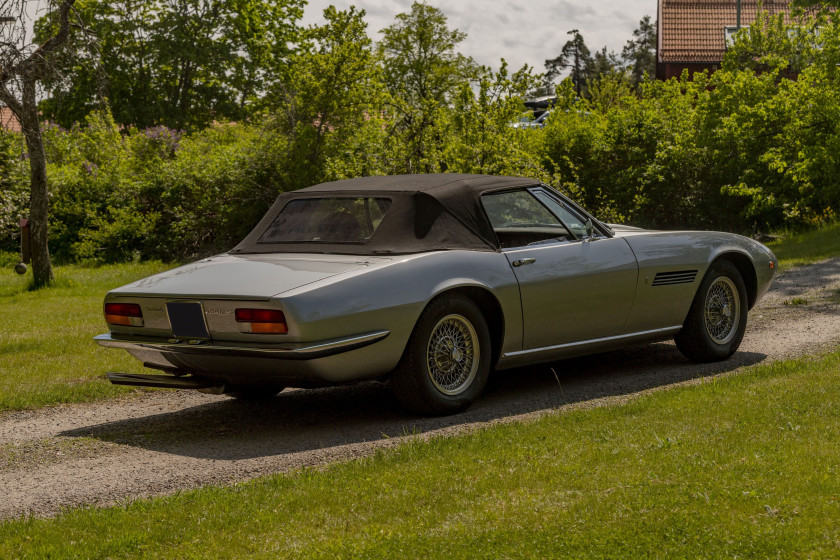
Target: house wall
[(668, 70), (8, 121)]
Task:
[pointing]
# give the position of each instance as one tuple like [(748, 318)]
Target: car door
[(572, 288)]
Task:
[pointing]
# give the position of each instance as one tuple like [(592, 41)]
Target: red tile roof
[(8, 121), (693, 30)]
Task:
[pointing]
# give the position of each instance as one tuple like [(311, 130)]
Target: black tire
[(253, 392), (717, 320), (447, 361)]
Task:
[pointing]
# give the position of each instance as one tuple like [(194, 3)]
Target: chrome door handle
[(520, 262)]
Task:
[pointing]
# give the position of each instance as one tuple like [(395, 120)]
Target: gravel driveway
[(157, 443)]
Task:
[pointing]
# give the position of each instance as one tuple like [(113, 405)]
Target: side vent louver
[(673, 278)]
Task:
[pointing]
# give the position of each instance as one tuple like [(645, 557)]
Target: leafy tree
[(179, 63), (609, 89), (419, 57), (639, 53), (602, 66), (423, 72), (334, 92), (816, 4), (771, 44), (574, 56), (481, 139), (22, 67)]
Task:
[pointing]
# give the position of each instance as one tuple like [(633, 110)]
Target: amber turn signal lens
[(269, 328), (125, 314), (263, 321)]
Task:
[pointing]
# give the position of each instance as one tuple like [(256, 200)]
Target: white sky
[(521, 32)]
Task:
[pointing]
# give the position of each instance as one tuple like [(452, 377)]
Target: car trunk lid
[(249, 277)]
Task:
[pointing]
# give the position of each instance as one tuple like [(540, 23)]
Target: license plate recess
[(187, 320)]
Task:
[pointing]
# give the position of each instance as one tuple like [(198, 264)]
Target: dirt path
[(161, 442)]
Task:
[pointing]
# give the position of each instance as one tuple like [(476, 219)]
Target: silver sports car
[(430, 281)]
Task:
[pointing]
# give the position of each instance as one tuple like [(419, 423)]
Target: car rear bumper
[(288, 351)]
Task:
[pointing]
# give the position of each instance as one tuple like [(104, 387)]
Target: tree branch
[(10, 100), (36, 59), (63, 31)]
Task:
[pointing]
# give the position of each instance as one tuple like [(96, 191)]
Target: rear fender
[(391, 297)]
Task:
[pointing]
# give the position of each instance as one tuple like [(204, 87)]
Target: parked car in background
[(532, 120), (430, 282)]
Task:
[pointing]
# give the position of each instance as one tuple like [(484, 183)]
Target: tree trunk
[(39, 202), (27, 67)]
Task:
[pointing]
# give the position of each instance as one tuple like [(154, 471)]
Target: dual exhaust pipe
[(203, 384)]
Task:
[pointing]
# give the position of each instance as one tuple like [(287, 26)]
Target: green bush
[(122, 195), (738, 150), (211, 192), (14, 192), (748, 148)]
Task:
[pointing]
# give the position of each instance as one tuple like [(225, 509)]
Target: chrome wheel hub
[(722, 310), (452, 355)]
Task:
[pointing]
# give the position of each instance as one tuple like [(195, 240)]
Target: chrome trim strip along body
[(310, 351), (664, 331)]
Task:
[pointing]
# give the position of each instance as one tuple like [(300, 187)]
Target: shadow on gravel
[(306, 420), (807, 277)]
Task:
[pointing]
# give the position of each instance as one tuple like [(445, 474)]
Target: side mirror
[(590, 229)]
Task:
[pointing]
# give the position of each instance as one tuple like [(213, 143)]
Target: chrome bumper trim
[(665, 331), (303, 351)]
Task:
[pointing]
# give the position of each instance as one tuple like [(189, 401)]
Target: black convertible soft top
[(427, 213)]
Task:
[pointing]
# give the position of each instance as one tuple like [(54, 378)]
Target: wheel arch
[(745, 266), (489, 307)]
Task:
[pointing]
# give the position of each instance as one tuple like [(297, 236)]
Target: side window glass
[(572, 220), (519, 219)]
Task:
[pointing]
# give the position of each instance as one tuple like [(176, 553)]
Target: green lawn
[(46, 352), (807, 247), (745, 466)]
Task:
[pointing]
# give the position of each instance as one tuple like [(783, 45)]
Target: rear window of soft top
[(327, 220)]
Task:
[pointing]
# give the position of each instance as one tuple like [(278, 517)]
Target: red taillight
[(125, 314), (260, 316), (263, 321)]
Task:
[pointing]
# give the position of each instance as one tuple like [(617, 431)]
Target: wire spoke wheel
[(715, 324), (446, 362), (452, 354), (722, 310)]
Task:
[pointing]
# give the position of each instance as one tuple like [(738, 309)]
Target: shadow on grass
[(15, 285), (297, 421)]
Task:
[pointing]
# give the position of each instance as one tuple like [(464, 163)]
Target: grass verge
[(46, 352), (807, 247), (744, 466)]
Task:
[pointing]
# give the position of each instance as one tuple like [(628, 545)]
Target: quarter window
[(570, 219)]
